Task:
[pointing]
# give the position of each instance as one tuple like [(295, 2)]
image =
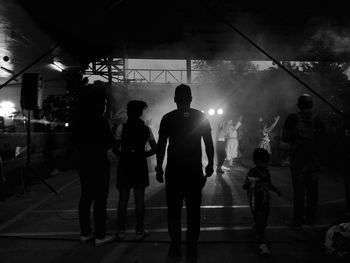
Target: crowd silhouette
[(181, 133)]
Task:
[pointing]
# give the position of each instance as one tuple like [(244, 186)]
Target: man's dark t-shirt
[(302, 148), (184, 128), (92, 137)]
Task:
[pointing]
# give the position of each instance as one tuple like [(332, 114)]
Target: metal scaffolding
[(111, 69), (115, 70)]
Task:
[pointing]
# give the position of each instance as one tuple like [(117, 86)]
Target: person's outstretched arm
[(239, 123), (273, 125)]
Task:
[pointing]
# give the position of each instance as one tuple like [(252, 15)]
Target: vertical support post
[(125, 64), (188, 70), (110, 91), (28, 139)]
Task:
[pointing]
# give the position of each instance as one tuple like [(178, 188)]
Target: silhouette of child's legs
[(260, 217)]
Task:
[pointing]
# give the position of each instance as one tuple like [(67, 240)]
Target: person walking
[(132, 172), (184, 128)]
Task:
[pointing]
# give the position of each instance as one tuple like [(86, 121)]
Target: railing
[(163, 76)]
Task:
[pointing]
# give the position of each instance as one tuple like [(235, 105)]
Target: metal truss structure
[(114, 70), (164, 76), (111, 69)]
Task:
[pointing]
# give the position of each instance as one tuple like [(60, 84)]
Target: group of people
[(227, 140), (183, 130)]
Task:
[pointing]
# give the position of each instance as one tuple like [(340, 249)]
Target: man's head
[(93, 100), (183, 96), (261, 157), (305, 102), (135, 108)]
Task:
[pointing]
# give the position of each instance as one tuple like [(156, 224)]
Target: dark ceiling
[(288, 30)]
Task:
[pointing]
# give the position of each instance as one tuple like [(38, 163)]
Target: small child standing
[(258, 185)]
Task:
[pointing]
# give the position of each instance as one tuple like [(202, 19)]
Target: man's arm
[(161, 147)]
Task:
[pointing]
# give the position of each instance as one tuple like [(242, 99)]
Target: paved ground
[(40, 227)]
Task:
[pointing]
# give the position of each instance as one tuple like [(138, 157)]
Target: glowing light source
[(58, 66), (220, 111), (7, 108), (211, 112), (66, 124)]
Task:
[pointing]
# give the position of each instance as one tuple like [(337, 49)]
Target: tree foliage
[(270, 92)]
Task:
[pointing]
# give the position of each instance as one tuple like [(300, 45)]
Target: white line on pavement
[(202, 207), (154, 230)]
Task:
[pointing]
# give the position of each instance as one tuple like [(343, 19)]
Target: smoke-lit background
[(249, 90)]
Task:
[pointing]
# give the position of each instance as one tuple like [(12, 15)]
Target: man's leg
[(100, 205), (85, 201), (311, 197), (193, 200), (347, 193), (174, 199), (299, 193), (84, 210)]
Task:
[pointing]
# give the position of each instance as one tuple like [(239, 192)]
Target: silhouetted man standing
[(303, 132), (92, 138), (184, 127)]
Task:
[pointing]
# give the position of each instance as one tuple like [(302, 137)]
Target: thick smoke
[(336, 41)]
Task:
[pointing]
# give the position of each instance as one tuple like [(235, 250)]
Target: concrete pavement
[(41, 227)]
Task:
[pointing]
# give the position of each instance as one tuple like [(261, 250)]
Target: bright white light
[(58, 66), (7, 108), (211, 112), (66, 124), (220, 111)]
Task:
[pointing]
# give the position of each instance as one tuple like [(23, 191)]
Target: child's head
[(261, 157)]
